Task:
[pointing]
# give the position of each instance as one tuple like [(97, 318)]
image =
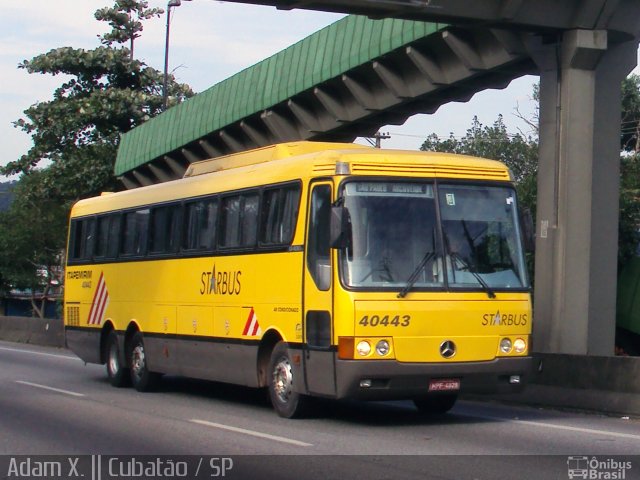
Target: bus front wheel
[(116, 372), (142, 379), (286, 402)]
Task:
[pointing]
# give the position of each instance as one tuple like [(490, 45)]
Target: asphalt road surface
[(53, 404)]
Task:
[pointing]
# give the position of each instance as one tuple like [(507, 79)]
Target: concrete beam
[(314, 121), (210, 149), (332, 104), (128, 182), (464, 50), (161, 174), (190, 156), (540, 15), (393, 81), (177, 168), (232, 142), (362, 93), (143, 180), (280, 127), (259, 137), (427, 65)]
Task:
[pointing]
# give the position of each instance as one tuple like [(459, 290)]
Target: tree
[(6, 194), (32, 233), (109, 93), (629, 226), (76, 134), (630, 138), (629, 222), (125, 18), (518, 152)]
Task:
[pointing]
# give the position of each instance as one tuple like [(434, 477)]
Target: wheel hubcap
[(137, 360), (114, 364), (282, 380)]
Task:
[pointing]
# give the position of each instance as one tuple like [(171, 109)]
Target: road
[(51, 403)]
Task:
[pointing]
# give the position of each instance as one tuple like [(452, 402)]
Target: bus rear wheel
[(435, 404), (116, 372), (286, 402), (142, 379)]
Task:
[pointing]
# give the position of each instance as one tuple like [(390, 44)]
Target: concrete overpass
[(582, 50)]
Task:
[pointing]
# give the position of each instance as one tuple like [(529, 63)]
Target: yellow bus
[(311, 269)]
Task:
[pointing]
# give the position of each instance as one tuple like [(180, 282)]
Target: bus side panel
[(223, 306), (84, 342), (82, 333), (220, 362)]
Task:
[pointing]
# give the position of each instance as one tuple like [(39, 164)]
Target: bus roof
[(297, 160)]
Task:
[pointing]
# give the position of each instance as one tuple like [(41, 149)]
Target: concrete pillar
[(578, 191)]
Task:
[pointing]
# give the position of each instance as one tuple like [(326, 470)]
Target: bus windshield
[(397, 244)]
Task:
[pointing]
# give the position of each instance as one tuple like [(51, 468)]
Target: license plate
[(444, 385)]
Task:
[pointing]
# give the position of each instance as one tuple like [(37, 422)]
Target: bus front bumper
[(387, 380)]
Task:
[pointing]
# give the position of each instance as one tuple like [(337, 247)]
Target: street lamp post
[(165, 93)]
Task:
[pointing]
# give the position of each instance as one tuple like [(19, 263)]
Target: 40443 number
[(385, 320)]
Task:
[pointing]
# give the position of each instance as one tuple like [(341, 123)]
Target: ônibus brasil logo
[(597, 469)]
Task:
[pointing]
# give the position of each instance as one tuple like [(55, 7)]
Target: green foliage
[(629, 226), (125, 19), (108, 93), (520, 154), (32, 235), (6, 194), (79, 130), (75, 136), (630, 138)]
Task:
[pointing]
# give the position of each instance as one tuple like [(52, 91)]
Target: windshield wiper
[(414, 276), (465, 265)]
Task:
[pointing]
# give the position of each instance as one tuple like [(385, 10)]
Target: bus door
[(318, 355)]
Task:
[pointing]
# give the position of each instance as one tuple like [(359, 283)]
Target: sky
[(210, 41)]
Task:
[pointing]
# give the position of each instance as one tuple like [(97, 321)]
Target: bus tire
[(117, 373), (142, 379), (286, 402), (435, 404)]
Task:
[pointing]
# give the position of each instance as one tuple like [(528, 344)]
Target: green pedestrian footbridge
[(344, 81)]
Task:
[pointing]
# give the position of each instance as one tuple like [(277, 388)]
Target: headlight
[(382, 348), (363, 348), (519, 345), (505, 345)]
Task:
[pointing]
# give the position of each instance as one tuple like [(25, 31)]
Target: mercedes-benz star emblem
[(447, 349)]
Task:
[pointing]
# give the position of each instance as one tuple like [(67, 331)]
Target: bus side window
[(239, 220), (113, 240), (83, 233), (318, 248), (163, 229), (134, 241), (279, 212), (102, 235), (250, 220), (200, 225), (230, 222), (82, 239)]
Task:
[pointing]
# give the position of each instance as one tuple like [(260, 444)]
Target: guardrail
[(38, 331), (604, 384)]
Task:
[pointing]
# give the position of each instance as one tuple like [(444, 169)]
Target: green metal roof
[(326, 54)]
